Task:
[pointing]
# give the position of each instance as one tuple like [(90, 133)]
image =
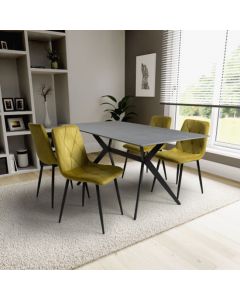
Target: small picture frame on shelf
[(19, 104), (8, 104), (15, 124), (3, 45)]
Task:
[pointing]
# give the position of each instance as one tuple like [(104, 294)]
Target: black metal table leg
[(118, 196), (125, 164), (139, 184), (154, 179), (179, 180), (110, 154), (164, 169)]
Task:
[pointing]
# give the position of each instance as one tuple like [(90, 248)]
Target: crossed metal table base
[(144, 159)]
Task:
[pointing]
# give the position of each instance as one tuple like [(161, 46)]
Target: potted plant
[(54, 58), (119, 111)]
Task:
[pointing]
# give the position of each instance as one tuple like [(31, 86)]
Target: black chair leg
[(71, 184), (125, 164), (87, 191), (83, 193), (146, 166), (164, 169), (53, 179), (63, 200), (199, 175), (100, 207), (177, 175), (118, 196), (154, 179), (179, 180), (39, 178), (138, 191)]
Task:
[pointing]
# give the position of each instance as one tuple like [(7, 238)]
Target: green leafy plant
[(52, 55), (119, 110)]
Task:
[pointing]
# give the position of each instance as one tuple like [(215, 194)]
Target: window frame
[(213, 144)]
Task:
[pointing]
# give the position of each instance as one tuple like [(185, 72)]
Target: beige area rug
[(31, 237)]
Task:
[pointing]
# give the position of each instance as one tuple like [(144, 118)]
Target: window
[(200, 75)]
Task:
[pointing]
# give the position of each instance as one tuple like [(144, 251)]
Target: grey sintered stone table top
[(137, 134)]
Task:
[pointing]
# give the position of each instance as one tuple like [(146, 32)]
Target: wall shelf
[(4, 53), (48, 71), (16, 133), (19, 80), (30, 168), (17, 113)]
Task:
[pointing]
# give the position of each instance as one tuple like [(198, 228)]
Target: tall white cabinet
[(24, 68)]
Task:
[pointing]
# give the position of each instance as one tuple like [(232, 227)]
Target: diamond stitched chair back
[(156, 121), (187, 151), (75, 165)]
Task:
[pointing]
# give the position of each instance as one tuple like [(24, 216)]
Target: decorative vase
[(47, 121), (54, 65)]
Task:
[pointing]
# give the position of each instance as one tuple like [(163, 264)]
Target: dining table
[(140, 135)]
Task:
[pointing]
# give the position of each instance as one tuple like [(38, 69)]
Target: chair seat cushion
[(177, 156), (94, 173), (135, 148)]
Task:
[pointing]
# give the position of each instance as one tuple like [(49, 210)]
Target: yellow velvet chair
[(45, 154), (156, 121), (187, 151), (75, 165)]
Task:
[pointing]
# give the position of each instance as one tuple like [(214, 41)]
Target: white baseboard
[(217, 169)]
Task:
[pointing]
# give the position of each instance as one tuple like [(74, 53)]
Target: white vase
[(47, 121)]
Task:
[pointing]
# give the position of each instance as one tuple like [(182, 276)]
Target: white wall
[(96, 64)]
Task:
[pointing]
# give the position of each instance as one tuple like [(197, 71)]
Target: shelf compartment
[(13, 78), (23, 142), (47, 71), (13, 38), (12, 53), (44, 36)]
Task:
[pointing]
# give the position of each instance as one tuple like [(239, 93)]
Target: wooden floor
[(209, 242)]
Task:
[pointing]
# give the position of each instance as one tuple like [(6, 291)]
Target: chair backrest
[(197, 146), (69, 146), (42, 144), (161, 121)]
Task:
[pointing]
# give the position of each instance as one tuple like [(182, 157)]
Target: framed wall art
[(145, 75)]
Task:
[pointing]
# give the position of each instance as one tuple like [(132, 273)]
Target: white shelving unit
[(24, 68)]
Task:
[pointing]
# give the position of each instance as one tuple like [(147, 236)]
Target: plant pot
[(54, 65)]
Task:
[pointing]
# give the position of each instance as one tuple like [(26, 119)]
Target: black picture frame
[(8, 104), (19, 104), (3, 45)]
